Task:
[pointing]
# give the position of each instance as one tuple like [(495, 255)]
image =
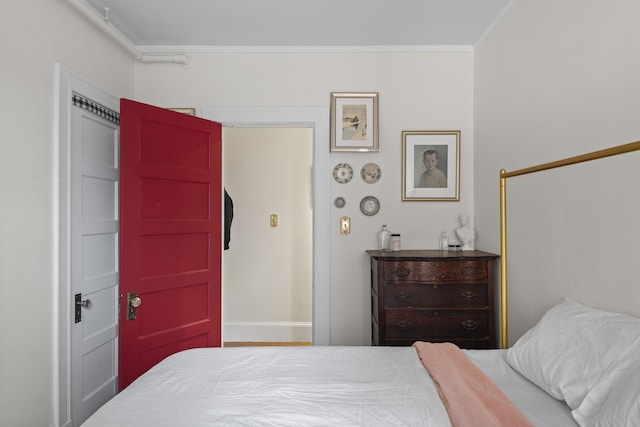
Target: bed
[(577, 366)]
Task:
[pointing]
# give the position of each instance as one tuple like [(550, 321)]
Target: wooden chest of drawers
[(432, 295)]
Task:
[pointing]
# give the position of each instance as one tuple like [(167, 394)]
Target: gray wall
[(555, 80)]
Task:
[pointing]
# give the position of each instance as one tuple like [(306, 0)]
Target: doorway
[(316, 119), (268, 265)]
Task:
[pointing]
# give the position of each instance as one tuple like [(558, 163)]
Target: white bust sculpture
[(466, 233)]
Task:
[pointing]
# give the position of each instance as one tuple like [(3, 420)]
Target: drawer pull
[(403, 296), (403, 272), (403, 324), (470, 325), (469, 296)]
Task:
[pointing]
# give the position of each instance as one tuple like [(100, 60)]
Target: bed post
[(503, 260)]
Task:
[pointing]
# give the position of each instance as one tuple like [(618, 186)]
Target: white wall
[(417, 91), (34, 36), (554, 80), (268, 270)]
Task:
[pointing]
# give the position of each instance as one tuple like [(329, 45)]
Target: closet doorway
[(268, 268)]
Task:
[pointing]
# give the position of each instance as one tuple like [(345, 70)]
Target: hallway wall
[(267, 284)]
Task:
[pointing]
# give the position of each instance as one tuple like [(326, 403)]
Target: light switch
[(345, 225), (274, 220)]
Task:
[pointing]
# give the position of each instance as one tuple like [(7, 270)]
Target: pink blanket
[(470, 397)]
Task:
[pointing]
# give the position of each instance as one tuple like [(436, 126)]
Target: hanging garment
[(228, 217)]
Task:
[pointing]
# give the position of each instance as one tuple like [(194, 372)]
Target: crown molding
[(154, 49), (495, 22)]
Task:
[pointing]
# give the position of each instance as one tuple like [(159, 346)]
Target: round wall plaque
[(342, 173), (369, 206), (370, 173)]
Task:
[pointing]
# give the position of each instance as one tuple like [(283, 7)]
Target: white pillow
[(570, 347), (614, 400)]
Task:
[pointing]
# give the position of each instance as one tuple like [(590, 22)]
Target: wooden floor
[(263, 344)]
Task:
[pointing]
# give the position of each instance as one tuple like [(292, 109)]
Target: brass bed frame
[(613, 151)]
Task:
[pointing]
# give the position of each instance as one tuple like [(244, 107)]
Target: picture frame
[(188, 111), (354, 122), (431, 165)]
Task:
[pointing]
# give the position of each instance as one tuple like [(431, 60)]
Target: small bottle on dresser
[(384, 236), (444, 241)]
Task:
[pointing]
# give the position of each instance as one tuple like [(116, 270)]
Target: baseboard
[(239, 331)]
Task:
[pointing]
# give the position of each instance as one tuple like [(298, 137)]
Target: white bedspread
[(308, 386), (280, 386)]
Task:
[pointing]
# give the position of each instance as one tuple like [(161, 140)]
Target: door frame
[(316, 118), (66, 83)]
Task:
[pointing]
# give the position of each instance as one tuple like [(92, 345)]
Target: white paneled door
[(94, 212)]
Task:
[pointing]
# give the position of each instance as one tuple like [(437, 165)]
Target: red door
[(170, 235)]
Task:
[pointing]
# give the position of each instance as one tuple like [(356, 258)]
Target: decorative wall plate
[(369, 206), (339, 202), (342, 173), (370, 173)]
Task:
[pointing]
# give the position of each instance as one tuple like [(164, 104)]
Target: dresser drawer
[(435, 271), (443, 295), (425, 324)]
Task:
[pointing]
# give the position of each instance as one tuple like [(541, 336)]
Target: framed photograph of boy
[(354, 121), (431, 165)]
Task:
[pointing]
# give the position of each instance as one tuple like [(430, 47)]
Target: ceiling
[(302, 23)]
